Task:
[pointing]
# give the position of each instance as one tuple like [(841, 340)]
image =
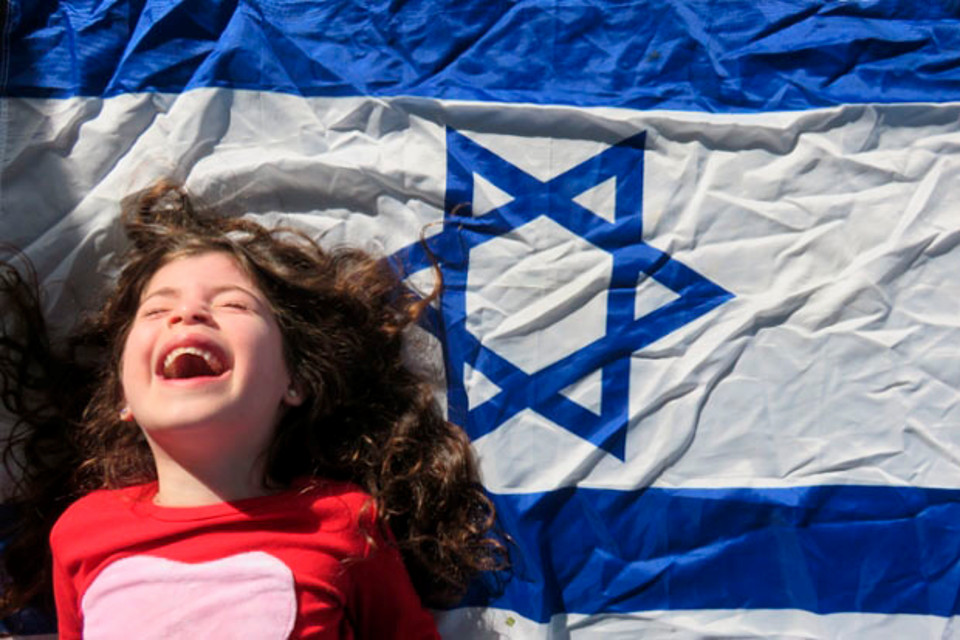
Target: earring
[(292, 397), (126, 415)]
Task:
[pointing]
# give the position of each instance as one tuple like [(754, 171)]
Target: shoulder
[(323, 490), (339, 510), (332, 497), (94, 509)]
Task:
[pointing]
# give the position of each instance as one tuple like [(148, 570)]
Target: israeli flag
[(701, 314)]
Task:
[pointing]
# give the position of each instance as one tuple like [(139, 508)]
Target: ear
[(293, 397)]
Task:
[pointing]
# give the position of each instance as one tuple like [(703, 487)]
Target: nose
[(189, 312)]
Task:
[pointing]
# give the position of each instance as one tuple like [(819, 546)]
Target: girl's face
[(204, 350)]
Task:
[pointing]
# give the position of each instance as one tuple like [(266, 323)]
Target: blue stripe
[(824, 549), (730, 56)]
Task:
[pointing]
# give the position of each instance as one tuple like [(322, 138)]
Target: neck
[(199, 475)]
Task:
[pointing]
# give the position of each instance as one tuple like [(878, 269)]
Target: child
[(252, 456)]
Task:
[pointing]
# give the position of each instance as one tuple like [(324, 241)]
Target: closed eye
[(151, 313), (234, 304)]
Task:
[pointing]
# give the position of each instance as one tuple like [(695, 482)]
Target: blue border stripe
[(729, 56), (825, 549)]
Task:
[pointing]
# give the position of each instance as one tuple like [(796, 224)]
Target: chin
[(187, 417)]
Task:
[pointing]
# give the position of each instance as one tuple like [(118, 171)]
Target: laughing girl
[(249, 453)]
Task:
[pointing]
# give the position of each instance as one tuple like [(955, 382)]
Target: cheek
[(135, 359), (269, 362)]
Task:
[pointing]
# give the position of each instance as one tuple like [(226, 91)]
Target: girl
[(252, 456)]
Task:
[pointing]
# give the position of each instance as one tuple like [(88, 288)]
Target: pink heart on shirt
[(248, 595)]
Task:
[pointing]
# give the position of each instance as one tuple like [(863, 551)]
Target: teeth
[(212, 361)]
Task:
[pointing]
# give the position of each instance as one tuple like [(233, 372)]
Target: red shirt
[(306, 563)]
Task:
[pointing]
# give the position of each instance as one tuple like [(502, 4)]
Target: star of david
[(607, 358)]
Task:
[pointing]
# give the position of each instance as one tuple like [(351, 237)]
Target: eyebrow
[(171, 292)]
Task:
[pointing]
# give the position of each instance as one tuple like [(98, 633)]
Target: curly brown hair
[(367, 417)]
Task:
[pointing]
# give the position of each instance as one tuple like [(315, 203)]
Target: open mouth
[(191, 362)]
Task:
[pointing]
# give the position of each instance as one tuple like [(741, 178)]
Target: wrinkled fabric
[(672, 54), (702, 333)]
